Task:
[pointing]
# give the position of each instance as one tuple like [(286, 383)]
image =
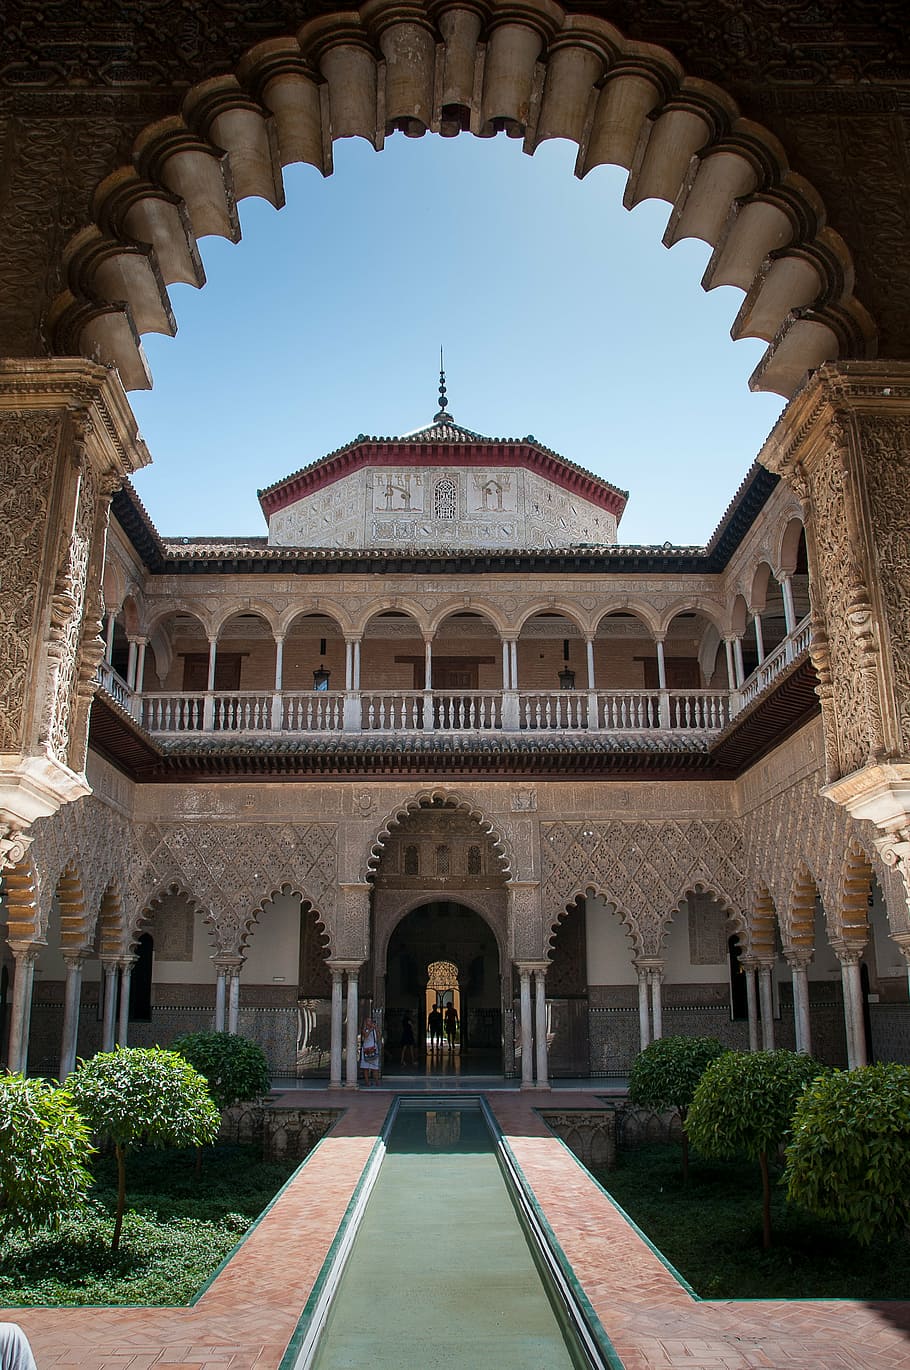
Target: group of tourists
[(439, 1022)]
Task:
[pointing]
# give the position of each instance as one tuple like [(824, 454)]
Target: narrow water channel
[(441, 1276)]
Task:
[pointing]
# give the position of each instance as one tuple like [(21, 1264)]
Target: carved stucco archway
[(526, 68)]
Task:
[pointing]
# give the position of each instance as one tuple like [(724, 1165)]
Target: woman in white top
[(369, 1052)]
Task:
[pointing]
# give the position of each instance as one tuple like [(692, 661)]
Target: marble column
[(786, 589), (661, 664), (527, 1032), (748, 969), (766, 1001), (738, 660), (25, 955), (351, 1043), (857, 1049), (799, 973), (72, 1001), (220, 997), (731, 664), (233, 1007), (335, 1048), (540, 1026), (759, 638), (109, 970), (123, 1024), (644, 1013)]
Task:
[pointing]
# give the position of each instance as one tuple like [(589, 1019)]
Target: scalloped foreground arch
[(523, 67)]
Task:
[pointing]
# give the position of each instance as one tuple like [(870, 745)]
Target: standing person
[(408, 1040), (15, 1352), (451, 1023), (369, 1052), (434, 1023)]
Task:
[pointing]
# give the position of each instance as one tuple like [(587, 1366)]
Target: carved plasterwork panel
[(28, 444), (645, 869), (886, 456), (93, 837), (67, 612)]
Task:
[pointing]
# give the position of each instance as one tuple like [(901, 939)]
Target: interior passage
[(441, 1275)]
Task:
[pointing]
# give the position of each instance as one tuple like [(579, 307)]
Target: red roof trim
[(366, 454)]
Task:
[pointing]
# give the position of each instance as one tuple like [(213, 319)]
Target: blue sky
[(561, 314)]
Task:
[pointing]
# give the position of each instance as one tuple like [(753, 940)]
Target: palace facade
[(439, 734)]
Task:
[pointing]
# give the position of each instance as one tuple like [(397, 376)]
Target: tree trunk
[(766, 1201), (121, 1193)]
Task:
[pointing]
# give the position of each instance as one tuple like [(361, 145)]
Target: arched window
[(445, 498), (412, 860), (442, 860)]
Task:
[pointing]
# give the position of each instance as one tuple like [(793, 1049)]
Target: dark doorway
[(141, 980), (739, 995)]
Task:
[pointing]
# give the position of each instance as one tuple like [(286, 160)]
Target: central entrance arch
[(436, 935), (439, 896)]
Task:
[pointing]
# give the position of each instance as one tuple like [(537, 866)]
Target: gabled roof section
[(442, 443)]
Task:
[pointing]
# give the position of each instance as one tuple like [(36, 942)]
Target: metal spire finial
[(443, 416)]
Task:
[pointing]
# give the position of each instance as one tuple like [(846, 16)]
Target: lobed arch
[(798, 925), (733, 916), (251, 920), (528, 69), (854, 889), (144, 920), (592, 890), (488, 612), (426, 799), (639, 609), (787, 550)]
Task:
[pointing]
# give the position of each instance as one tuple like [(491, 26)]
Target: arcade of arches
[(623, 791)]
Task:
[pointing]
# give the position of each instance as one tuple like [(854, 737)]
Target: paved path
[(247, 1316)]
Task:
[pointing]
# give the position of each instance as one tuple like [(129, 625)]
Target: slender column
[(766, 1003), (140, 664), (657, 978), (857, 1051), (510, 684), (738, 658), (208, 707), (25, 955), (505, 666), (337, 1019), (131, 664), (589, 652), (513, 655), (800, 977), (279, 662), (731, 664), (428, 664), (644, 1015), (276, 722), (759, 639), (661, 665), (233, 1023), (751, 1003), (540, 1026), (351, 1044), (72, 998), (109, 969), (348, 664), (786, 589), (213, 650), (357, 664), (109, 635), (123, 1024), (220, 996), (527, 1034)]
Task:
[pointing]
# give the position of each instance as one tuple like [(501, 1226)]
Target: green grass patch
[(177, 1230), (711, 1232)]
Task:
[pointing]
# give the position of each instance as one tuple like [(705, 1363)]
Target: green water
[(441, 1276)]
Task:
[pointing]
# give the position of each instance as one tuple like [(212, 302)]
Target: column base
[(528, 1084), (352, 1084)]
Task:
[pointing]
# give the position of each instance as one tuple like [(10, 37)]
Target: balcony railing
[(284, 713)]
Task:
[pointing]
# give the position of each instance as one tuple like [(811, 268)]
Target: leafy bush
[(849, 1154), (44, 1145), (234, 1067), (664, 1077), (744, 1105), (143, 1096)]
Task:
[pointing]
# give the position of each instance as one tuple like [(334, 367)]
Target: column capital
[(650, 963), (530, 967), (849, 954), (340, 964), (798, 958), (26, 951), (76, 959)]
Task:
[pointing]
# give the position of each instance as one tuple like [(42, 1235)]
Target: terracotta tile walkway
[(248, 1314)]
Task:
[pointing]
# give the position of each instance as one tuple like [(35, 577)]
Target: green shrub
[(44, 1145), (849, 1153), (744, 1105), (664, 1077), (143, 1096), (234, 1067)]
